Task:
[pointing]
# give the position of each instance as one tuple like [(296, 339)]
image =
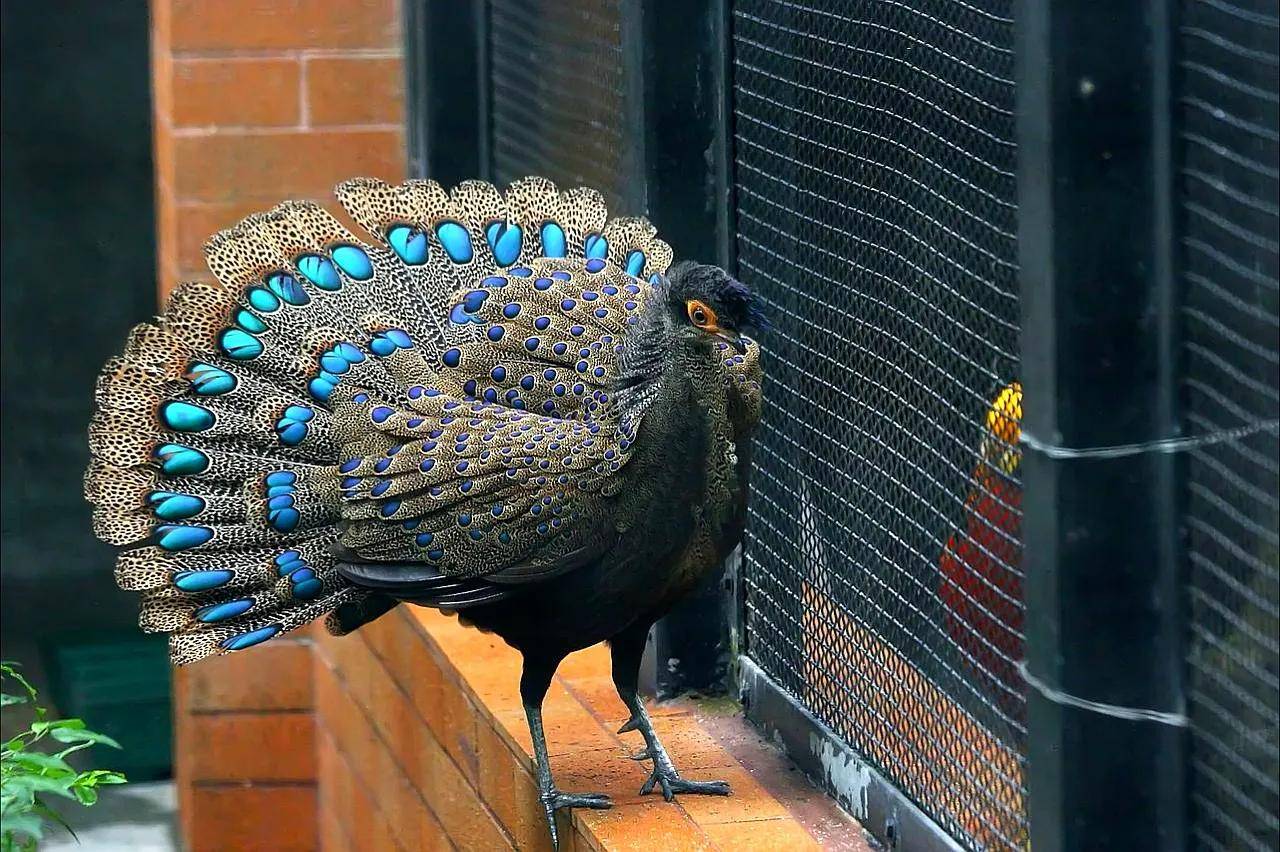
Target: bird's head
[(1002, 431), (703, 303)]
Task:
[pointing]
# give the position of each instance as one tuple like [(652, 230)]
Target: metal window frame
[(1104, 588), (1096, 225)]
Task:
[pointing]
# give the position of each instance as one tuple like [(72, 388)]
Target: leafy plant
[(29, 772)]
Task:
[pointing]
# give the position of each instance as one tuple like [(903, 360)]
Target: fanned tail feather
[(216, 452)]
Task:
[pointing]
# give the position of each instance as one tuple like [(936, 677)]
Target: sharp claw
[(632, 724), (674, 784)]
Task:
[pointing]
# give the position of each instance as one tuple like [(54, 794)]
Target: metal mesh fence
[(875, 186), (1228, 132), (558, 99)]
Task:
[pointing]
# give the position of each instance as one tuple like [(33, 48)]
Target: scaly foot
[(553, 800), (672, 783), (664, 771)]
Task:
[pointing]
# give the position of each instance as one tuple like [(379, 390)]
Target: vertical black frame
[(447, 90), (1105, 613), (682, 80)]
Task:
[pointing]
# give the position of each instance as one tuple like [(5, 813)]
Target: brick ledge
[(423, 745)]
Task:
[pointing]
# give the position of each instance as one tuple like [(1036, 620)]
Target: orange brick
[(343, 90), (253, 819), (749, 801), (236, 92), (271, 166), (252, 746), (632, 828), (212, 25), (508, 788), (276, 676), (761, 834)]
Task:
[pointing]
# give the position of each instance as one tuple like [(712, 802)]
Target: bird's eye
[(701, 315)]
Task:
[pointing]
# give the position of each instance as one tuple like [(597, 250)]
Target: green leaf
[(86, 795), (41, 763), (73, 735), (100, 777)]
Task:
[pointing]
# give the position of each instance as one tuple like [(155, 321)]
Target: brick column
[(256, 101)]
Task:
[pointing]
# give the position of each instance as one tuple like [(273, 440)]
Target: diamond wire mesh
[(558, 101), (875, 186), (1229, 136)]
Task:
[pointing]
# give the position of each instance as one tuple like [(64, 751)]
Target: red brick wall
[(260, 100), (256, 101)]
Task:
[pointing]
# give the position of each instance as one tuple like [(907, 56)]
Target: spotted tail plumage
[(240, 438)]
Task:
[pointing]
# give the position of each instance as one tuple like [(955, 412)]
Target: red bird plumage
[(981, 566)]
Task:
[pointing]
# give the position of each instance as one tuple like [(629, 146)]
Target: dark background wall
[(78, 269)]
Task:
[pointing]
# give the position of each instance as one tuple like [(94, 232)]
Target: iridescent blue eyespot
[(263, 300), (498, 373), (253, 637), (635, 263), (455, 240), (223, 611), (409, 243), (595, 245), (504, 239), (380, 414), (319, 271), (542, 283), (424, 539), (306, 585), (177, 460), (595, 265), (495, 332), (249, 322), (287, 288), (451, 357), (553, 241), (239, 345), (353, 261), (201, 581), (174, 537), (283, 518), (511, 311), (171, 506), (208, 380), (185, 417)]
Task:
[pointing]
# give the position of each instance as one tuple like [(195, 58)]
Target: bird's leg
[(534, 682), (627, 649)]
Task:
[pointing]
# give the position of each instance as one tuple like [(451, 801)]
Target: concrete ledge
[(422, 744)]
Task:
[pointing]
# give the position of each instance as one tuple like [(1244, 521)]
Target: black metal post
[(1104, 608), (446, 89), (682, 47)]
